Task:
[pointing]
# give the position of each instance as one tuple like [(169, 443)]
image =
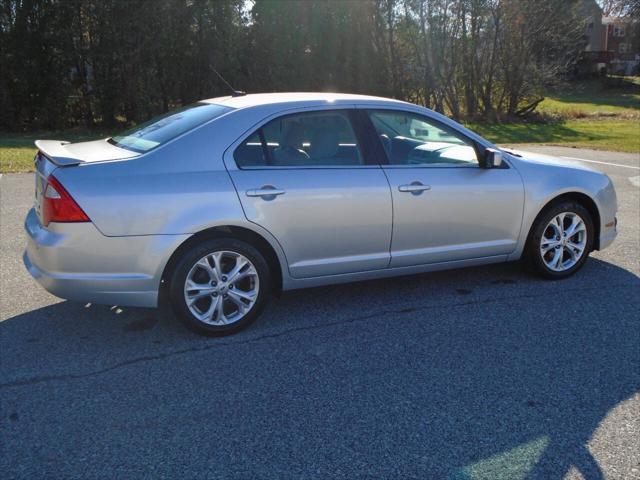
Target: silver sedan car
[(218, 204)]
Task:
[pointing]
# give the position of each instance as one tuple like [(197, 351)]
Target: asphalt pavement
[(480, 373)]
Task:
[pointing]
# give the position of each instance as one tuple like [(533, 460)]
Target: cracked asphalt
[(467, 374)]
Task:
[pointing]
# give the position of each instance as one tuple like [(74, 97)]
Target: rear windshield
[(159, 130)]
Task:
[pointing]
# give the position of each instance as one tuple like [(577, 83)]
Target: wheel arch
[(583, 199), (241, 233)]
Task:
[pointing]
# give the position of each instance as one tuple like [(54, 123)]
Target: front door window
[(411, 139)]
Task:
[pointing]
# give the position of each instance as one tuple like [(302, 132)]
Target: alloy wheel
[(221, 288), (563, 241)]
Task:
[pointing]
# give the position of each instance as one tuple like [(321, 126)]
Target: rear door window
[(310, 139)]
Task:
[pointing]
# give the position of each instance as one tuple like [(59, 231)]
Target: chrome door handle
[(265, 192), (415, 187)]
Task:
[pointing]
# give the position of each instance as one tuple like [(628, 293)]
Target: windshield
[(159, 130)]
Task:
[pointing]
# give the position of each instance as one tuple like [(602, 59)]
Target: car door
[(445, 207), (306, 178)]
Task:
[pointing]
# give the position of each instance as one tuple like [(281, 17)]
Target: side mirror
[(492, 158)]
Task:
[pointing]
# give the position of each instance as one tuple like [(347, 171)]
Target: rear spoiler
[(54, 150)]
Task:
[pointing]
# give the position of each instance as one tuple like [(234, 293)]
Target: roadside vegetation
[(612, 96), (616, 136), (584, 115), (606, 121), (74, 67)]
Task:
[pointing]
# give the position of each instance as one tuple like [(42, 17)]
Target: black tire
[(533, 256), (184, 266)]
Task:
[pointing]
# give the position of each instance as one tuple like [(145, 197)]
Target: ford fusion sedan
[(218, 204)]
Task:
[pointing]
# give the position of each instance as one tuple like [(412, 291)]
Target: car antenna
[(234, 92)]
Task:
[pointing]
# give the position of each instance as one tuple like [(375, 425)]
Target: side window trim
[(367, 110), (352, 116), (265, 148), (363, 136), (378, 152)]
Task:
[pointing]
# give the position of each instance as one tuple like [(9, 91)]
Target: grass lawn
[(586, 115), (582, 105), (590, 100), (16, 159), (601, 134)]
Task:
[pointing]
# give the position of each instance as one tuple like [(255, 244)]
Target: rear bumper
[(75, 261), (113, 290)]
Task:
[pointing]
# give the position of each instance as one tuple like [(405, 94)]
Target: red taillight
[(58, 205)]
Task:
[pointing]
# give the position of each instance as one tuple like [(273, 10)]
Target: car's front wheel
[(219, 286), (561, 240)]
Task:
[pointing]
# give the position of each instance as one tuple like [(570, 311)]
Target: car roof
[(297, 98)]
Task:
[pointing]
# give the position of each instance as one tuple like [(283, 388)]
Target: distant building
[(612, 44), (623, 42), (595, 31), (595, 57)]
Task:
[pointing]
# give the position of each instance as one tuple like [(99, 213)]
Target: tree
[(620, 8), (108, 62)]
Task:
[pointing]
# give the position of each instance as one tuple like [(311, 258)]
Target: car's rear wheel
[(561, 240), (219, 286)]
